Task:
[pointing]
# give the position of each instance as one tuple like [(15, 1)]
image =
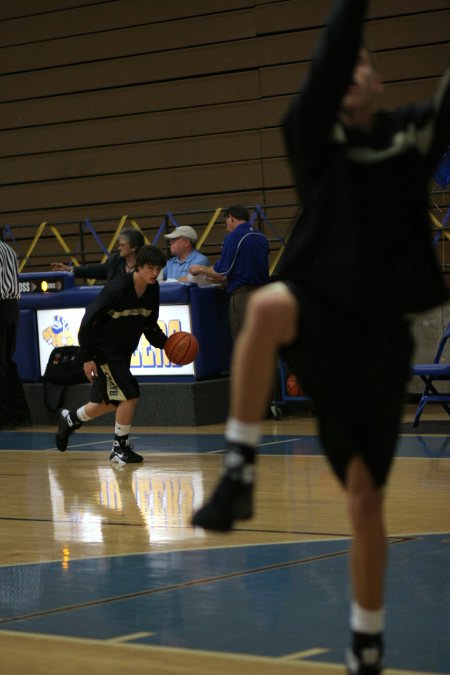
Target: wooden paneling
[(287, 15), (164, 183), (194, 62), (188, 152), (407, 31), (64, 19), (150, 210), (144, 39), (115, 103), (408, 92), (127, 42), (139, 108), (412, 63), (207, 59), (133, 128), (25, 8)]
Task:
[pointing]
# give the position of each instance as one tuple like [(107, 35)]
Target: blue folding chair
[(431, 373)]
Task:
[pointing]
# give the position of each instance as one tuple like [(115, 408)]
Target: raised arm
[(92, 271), (309, 121)]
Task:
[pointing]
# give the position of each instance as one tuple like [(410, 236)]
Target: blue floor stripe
[(408, 446), (284, 598)]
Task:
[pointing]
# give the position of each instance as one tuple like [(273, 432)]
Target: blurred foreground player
[(358, 263), (126, 308)]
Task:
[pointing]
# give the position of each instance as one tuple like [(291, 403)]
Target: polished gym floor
[(101, 572)]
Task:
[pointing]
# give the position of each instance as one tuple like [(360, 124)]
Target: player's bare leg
[(93, 410), (367, 566), (270, 322)]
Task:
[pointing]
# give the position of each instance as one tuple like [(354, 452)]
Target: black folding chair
[(431, 374)]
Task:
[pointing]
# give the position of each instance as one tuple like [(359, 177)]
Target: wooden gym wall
[(145, 106)]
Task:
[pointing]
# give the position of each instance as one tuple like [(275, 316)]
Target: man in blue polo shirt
[(243, 263)]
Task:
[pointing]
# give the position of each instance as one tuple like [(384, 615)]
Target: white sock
[(242, 432), (122, 429), (366, 621), (81, 414)]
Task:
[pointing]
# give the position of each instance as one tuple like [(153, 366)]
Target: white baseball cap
[(184, 231)]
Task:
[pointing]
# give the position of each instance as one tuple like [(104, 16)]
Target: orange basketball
[(181, 348), (293, 387)]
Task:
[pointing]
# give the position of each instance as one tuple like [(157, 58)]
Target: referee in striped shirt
[(14, 410)]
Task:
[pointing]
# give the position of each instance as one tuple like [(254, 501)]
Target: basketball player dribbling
[(126, 308)]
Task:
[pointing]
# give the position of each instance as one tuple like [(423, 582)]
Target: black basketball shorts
[(355, 370), (114, 383)]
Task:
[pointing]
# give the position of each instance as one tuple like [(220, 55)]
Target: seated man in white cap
[(184, 254)]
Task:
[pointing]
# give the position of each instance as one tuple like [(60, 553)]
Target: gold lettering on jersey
[(112, 388), (138, 311)]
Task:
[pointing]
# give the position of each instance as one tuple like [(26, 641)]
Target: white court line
[(130, 637), (306, 653), (263, 445), (86, 445)]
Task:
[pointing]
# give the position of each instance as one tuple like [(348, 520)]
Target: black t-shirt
[(362, 242), (116, 319)]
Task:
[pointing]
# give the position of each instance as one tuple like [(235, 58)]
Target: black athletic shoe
[(122, 453), (231, 500), (65, 429), (367, 660)]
